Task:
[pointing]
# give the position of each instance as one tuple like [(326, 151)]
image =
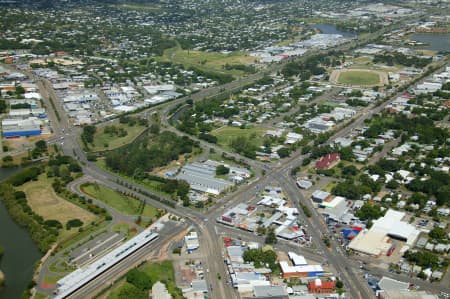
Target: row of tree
[(402, 59)]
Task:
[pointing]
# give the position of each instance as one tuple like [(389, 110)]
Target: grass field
[(226, 134), (146, 183), (113, 141), (208, 61), (45, 202), (157, 272), (40, 296), (122, 203), (52, 279), (359, 78)]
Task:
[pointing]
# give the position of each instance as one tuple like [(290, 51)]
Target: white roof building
[(297, 260), (375, 241), (392, 225)]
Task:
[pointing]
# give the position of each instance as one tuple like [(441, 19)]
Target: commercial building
[(328, 161), (300, 271), (389, 284), (320, 196), (304, 184), (270, 291), (334, 208), (202, 178), (21, 113), (297, 260), (376, 240), (318, 125), (199, 286), (406, 295), (13, 128), (318, 286), (191, 241), (427, 87)]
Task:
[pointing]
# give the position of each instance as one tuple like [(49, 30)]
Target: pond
[(433, 41), (331, 29)]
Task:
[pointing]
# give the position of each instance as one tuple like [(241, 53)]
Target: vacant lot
[(45, 202), (103, 141), (226, 134), (119, 202), (208, 61)]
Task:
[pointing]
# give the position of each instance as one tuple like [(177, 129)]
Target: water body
[(433, 41), (331, 29), (20, 252)]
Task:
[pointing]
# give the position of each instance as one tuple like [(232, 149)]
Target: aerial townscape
[(225, 149)]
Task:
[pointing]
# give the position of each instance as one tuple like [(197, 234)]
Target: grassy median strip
[(54, 109)]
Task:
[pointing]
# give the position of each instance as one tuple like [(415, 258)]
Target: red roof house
[(328, 161), (318, 286)]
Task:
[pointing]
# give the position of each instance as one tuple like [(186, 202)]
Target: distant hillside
[(54, 2), (50, 3)]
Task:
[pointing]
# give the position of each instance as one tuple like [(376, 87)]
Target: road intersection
[(205, 223)]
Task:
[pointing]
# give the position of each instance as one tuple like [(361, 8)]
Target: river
[(20, 252), (433, 41), (331, 29)]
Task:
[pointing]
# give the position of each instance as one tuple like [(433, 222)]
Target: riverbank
[(2, 278), (20, 256)]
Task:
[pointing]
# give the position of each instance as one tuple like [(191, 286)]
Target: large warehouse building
[(376, 240), (13, 128)]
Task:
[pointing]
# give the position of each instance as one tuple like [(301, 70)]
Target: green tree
[(369, 212), (222, 170), (271, 238), (154, 129), (41, 145), (3, 106), (350, 170), (283, 152), (261, 258), (130, 291), (438, 233), (74, 223), (7, 159), (392, 184), (443, 195), (88, 134), (139, 279)]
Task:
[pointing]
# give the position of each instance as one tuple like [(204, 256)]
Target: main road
[(209, 236)]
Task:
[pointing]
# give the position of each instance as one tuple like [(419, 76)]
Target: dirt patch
[(45, 202), (164, 252), (24, 142)]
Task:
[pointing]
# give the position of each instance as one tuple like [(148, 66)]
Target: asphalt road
[(204, 223)]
